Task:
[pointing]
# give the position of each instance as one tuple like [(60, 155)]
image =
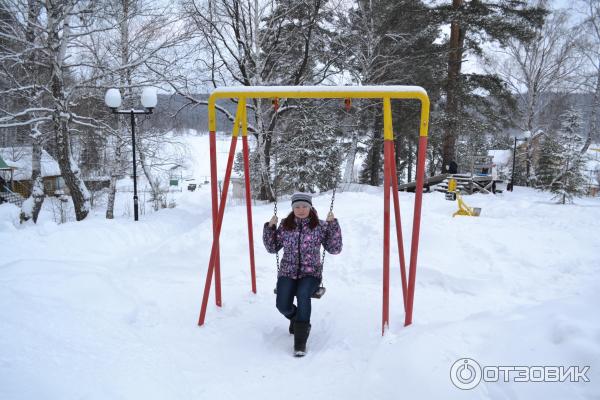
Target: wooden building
[(18, 158)]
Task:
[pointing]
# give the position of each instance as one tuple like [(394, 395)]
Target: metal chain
[(274, 187), (330, 210), (275, 214)]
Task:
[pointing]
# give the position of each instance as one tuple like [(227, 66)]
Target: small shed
[(6, 174), (18, 158)]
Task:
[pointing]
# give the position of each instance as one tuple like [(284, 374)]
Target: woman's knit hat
[(302, 198)]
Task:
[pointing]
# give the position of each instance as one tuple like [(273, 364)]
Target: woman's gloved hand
[(273, 221), (330, 216)]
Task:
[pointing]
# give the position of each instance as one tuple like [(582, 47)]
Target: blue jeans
[(302, 288)]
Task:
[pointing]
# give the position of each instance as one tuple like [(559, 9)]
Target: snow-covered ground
[(105, 309)]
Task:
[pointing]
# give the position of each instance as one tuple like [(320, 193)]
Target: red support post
[(386, 236), (215, 249), (394, 175), (249, 210), (414, 247)]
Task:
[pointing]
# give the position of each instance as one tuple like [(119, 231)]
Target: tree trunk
[(112, 191), (265, 139), (350, 158), (58, 37), (528, 157), (409, 162), (32, 206), (375, 154), (154, 183), (37, 188), (116, 171), (121, 132), (594, 117), (457, 38), (69, 171)]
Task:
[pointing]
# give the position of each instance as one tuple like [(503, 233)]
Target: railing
[(14, 198)]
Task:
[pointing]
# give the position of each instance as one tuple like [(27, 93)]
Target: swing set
[(390, 181)]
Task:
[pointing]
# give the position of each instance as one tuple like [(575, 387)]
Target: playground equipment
[(386, 93), (428, 182), (463, 209), (481, 179)]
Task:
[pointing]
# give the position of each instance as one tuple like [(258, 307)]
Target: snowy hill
[(108, 309)]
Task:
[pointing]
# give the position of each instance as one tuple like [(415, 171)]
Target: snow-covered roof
[(500, 157), (19, 157), (593, 159), (4, 166)]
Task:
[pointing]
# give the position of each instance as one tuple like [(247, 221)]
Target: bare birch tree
[(24, 71), (537, 69), (143, 33), (253, 43), (591, 51)]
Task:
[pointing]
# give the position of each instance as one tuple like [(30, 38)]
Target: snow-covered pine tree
[(308, 153), (548, 162), (372, 167), (390, 43), (570, 180), (472, 23)]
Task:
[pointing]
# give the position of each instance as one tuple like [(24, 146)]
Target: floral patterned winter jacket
[(302, 246)]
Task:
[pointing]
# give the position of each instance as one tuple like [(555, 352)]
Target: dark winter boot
[(292, 321), (301, 331)]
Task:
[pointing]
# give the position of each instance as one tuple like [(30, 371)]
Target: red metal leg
[(414, 248), (249, 211), (215, 208), (394, 176), (214, 250)]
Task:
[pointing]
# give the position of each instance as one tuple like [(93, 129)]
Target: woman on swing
[(301, 235)]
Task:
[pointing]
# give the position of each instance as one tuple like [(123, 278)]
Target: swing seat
[(316, 295), (319, 292)]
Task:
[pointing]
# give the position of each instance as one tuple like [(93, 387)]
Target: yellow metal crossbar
[(324, 92)]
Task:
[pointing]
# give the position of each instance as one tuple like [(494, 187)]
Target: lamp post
[(509, 187), (149, 100)]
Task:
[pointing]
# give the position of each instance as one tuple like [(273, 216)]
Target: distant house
[(18, 158), (501, 160), (6, 173)]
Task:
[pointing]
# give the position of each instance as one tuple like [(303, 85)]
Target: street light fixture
[(149, 100), (509, 187)]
